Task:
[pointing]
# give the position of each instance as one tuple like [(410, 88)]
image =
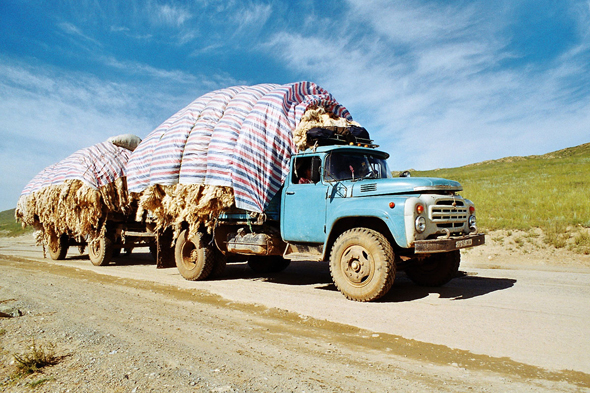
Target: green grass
[(9, 226), (31, 363), (35, 359), (551, 192), (40, 382)]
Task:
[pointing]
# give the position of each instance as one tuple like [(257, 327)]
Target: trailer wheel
[(362, 264), (268, 264), (435, 270), (100, 250), (194, 259), (58, 246)]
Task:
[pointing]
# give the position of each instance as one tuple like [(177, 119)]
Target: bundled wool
[(196, 205), (228, 148), (71, 208), (74, 196), (318, 118)]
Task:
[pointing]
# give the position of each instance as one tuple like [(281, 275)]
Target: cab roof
[(345, 148)]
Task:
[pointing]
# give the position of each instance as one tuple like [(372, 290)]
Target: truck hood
[(403, 185)]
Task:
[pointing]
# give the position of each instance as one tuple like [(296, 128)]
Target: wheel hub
[(356, 264), (193, 256), (94, 246)]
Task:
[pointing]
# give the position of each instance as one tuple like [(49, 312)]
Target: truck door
[(303, 211)]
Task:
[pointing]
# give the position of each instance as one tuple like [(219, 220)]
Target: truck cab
[(351, 183)]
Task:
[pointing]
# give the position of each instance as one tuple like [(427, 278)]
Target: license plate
[(464, 243)]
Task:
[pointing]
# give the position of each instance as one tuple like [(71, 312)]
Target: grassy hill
[(550, 192), (9, 226)]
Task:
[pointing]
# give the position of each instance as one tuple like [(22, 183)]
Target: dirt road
[(130, 327)]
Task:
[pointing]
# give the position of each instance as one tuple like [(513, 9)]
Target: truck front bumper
[(448, 244)]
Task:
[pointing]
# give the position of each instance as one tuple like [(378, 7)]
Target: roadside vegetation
[(32, 363), (9, 226), (549, 192)]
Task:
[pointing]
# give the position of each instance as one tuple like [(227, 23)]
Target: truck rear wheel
[(100, 251), (362, 264), (58, 247), (194, 259), (435, 270), (268, 264)]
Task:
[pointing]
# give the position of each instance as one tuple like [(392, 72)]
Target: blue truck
[(342, 205)]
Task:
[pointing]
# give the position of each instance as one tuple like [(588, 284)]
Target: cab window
[(306, 170), (351, 166)]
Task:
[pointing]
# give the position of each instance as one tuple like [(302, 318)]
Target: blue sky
[(436, 83)]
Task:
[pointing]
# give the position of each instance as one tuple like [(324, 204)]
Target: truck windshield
[(351, 166)]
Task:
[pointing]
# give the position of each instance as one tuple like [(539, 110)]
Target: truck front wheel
[(435, 270), (194, 259), (362, 264)]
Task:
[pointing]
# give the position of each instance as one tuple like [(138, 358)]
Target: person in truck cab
[(304, 172)]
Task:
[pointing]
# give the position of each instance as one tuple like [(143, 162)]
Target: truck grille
[(450, 214)]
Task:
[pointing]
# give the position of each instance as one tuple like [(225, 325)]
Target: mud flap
[(165, 252)]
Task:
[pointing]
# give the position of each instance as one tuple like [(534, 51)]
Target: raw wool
[(317, 117), (197, 204), (194, 204), (71, 208), (115, 197)]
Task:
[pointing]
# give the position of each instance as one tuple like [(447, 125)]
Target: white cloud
[(73, 30), (171, 15), (415, 23), (145, 70), (252, 15)]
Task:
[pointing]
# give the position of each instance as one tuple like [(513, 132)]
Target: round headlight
[(472, 222), (420, 224)]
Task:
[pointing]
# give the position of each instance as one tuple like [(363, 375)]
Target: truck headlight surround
[(420, 224), (472, 222)]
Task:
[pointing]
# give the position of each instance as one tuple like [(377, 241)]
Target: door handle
[(290, 193)]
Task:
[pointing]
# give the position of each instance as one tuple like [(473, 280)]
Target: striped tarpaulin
[(96, 166), (240, 136)]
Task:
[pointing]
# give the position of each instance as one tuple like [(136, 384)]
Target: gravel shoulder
[(133, 328)]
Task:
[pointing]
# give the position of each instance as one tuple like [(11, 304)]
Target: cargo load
[(230, 147), (70, 200)]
